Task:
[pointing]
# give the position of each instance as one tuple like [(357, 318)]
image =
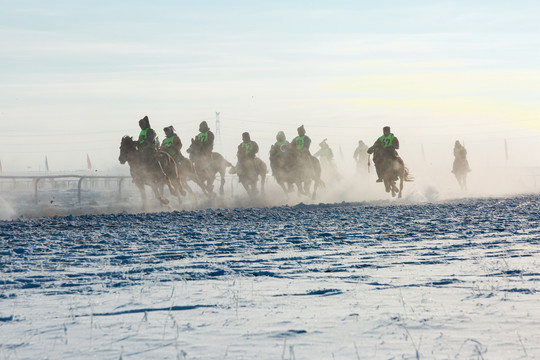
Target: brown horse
[(291, 167), (393, 169), (187, 170), (156, 175), (208, 167), (249, 172)]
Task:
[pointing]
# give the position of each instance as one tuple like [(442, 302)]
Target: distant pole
[(218, 131), (506, 149), (423, 153)]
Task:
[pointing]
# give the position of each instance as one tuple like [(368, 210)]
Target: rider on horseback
[(384, 148), (204, 141), (460, 158), (246, 154), (360, 154), (172, 144), (302, 141), (147, 143), (325, 153), (276, 149)]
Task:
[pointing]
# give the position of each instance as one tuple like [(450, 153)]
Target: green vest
[(386, 140), (203, 137), (280, 143), (247, 146), (143, 137), (459, 149), (168, 143), (299, 141)]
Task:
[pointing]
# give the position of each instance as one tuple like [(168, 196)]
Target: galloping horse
[(249, 172), (392, 169), (289, 167), (158, 174), (208, 166), (187, 170)]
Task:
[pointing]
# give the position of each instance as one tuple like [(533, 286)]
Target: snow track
[(445, 280)]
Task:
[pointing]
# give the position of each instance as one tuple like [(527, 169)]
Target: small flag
[(88, 162), (46, 164)]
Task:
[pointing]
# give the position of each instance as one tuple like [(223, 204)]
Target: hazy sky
[(75, 76)]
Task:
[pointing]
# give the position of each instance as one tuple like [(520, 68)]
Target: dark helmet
[(169, 130), (386, 129), (457, 143), (280, 136), (245, 136), (203, 127), (301, 131), (144, 123)]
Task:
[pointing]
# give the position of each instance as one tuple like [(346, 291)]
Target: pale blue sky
[(77, 75)]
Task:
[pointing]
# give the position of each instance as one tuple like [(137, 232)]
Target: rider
[(204, 141), (246, 153), (460, 156), (280, 140), (172, 144), (280, 145), (325, 153), (302, 141), (360, 154), (147, 143), (384, 147)]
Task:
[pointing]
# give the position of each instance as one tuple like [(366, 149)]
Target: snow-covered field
[(375, 279)]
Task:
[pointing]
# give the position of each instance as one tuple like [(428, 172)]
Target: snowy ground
[(456, 279), (432, 275)]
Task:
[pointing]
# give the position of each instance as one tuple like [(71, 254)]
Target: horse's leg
[(315, 187), (387, 185), (401, 178), (158, 194), (186, 186), (143, 195), (176, 189), (195, 178), (263, 179), (222, 184)]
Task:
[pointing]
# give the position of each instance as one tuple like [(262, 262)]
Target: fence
[(79, 179)]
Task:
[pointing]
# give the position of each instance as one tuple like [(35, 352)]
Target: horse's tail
[(406, 175)]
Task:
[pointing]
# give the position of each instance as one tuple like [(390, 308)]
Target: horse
[(249, 171), (282, 164), (460, 170), (163, 171), (290, 167), (187, 170), (392, 169), (208, 166)]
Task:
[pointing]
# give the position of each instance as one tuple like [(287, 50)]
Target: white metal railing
[(79, 178)]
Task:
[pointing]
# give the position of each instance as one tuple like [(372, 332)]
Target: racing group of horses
[(291, 169)]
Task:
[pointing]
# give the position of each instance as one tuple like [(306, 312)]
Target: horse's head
[(127, 147)]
